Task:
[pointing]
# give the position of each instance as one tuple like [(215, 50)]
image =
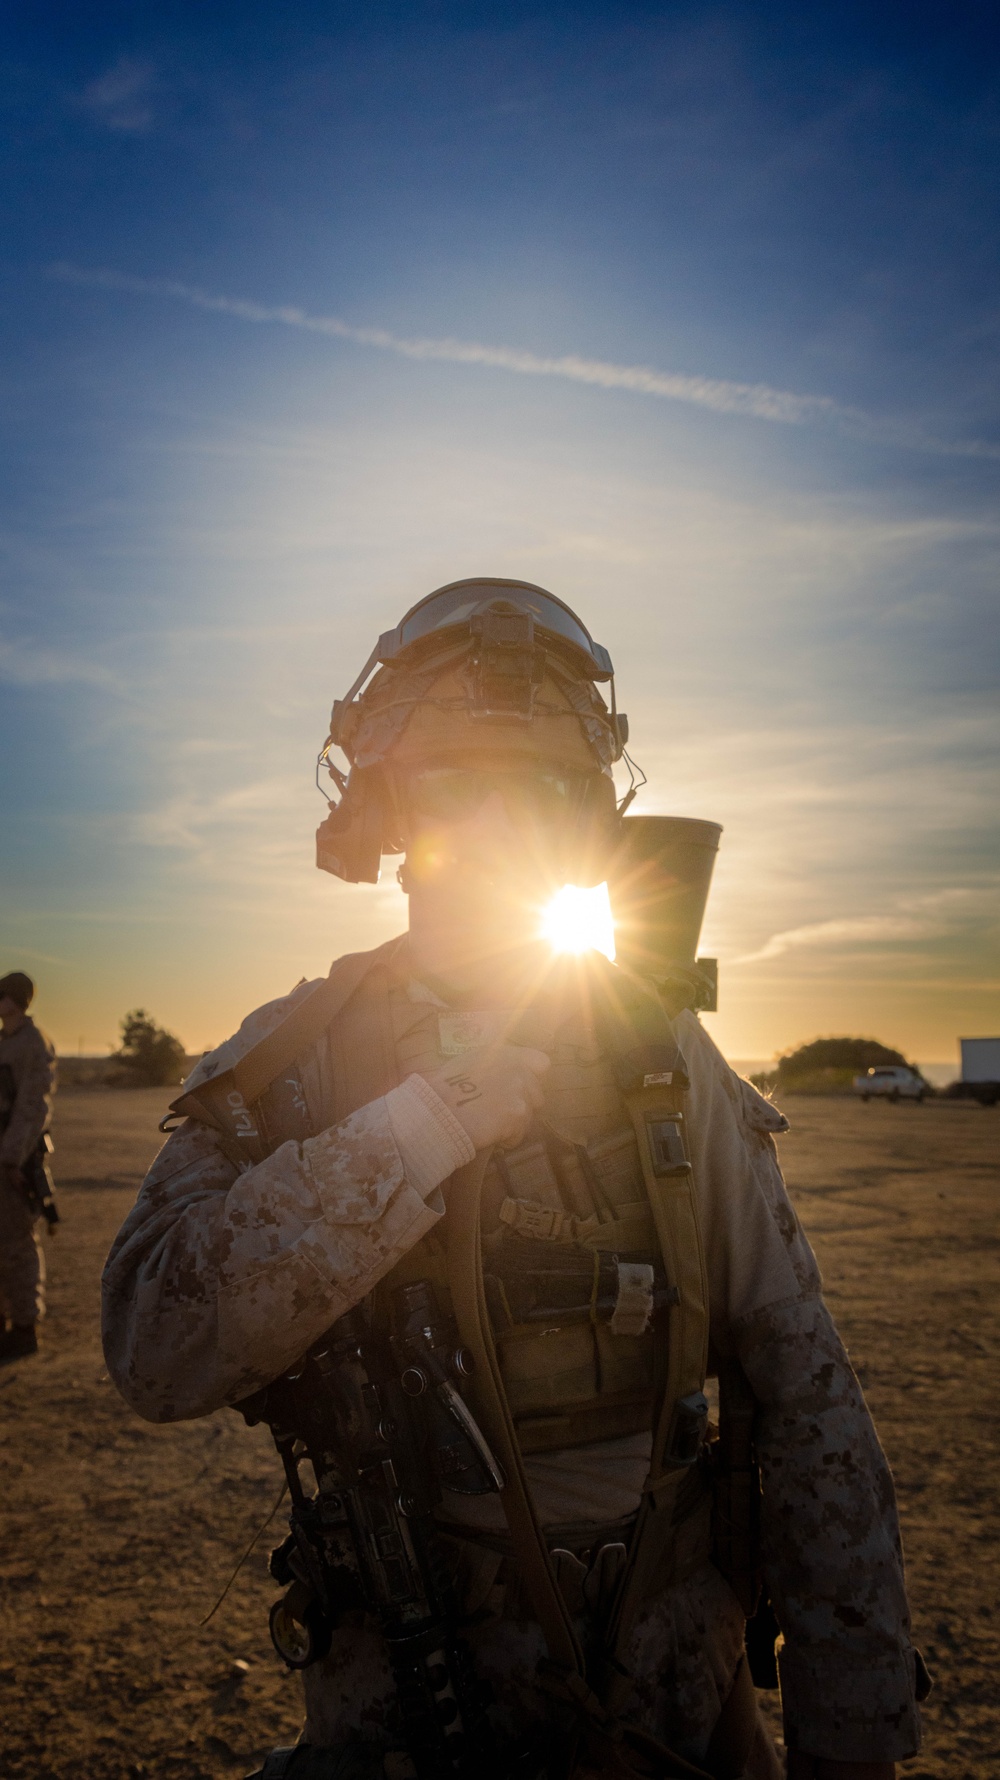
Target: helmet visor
[(454, 606)]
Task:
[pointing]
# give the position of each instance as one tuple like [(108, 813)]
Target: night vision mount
[(509, 630)]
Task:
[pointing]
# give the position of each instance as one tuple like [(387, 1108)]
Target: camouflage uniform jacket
[(218, 1280), (31, 1059)]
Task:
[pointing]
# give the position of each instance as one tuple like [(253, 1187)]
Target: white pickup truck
[(890, 1081)]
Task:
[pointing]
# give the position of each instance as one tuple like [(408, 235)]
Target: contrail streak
[(721, 396)]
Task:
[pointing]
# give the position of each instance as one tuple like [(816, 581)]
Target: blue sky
[(689, 313)]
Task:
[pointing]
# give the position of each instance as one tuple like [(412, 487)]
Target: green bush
[(149, 1056), (826, 1066), (817, 1081)]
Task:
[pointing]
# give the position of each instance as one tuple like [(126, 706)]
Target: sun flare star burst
[(579, 921)]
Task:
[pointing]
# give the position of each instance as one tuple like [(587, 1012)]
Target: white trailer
[(981, 1068)]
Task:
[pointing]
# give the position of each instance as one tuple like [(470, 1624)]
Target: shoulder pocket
[(758, 1113)]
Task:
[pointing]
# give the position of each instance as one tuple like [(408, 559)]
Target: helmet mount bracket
[(506, 665)]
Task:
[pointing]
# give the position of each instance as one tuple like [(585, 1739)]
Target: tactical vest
[(578, 1279), (555, 1365), (615, 1207)]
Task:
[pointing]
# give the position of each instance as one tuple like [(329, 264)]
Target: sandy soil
[(116, 1537)]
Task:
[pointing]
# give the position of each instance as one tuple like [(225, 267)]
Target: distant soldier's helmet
[(484, 673), (17, 987)]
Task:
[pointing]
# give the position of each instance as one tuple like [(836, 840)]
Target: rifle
[(382, 1423), (37, 1184), (736, 1519), (35, 1180)]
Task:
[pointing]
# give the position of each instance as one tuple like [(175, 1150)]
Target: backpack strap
[(465, 1279), (655, 1102), (654, 1085)]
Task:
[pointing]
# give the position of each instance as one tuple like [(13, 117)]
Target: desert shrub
[(838, 1053), (817, 1081), (828, 1065), (90, 1072), (149, 1056)]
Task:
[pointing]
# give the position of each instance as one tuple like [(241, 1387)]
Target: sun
[(579, 921)]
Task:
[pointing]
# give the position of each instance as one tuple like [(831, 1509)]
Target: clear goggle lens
[(456, 605)]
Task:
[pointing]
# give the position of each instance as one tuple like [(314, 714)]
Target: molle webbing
[(468, 1294), (558, 1220), (627, 1233)]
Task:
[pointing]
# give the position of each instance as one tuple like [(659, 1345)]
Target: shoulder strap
[(654, 1082), (307, 1021), (655, 1102), (225, 1101), (465, 1278), (658, 1119)]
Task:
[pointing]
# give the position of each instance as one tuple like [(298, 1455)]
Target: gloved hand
[(493, 1093), (12, 1176)]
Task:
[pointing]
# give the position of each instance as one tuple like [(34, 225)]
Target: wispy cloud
[(121, 98), (852, 930), (914, 918), (16, 949), (759, 401), (194, 822), (22, 664)]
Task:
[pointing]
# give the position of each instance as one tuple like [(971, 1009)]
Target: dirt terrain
[(116, 1537)]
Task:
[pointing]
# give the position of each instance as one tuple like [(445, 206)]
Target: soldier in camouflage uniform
[(460, 1042), (27, 1084)]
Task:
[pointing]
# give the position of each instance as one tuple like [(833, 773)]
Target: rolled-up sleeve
[(218, 1280)]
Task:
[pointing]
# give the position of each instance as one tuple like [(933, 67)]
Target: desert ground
[(116, 1537)]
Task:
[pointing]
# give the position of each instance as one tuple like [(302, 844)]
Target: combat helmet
[(484, 668)]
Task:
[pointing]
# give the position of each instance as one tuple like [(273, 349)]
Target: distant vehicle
[(891, 1081), (980, 1070)]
